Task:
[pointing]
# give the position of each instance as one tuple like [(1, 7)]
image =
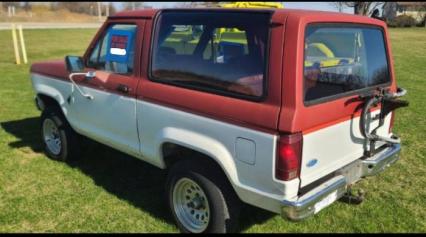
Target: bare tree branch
[(363, 8), (338, 5)]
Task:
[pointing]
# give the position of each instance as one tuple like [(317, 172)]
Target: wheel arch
[(50, 101), (179, 144), (45, 100)]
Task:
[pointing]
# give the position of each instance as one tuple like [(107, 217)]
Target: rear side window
[(341, 59), (218, 52)]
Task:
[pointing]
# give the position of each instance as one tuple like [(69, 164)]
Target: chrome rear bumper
[(333, 189), (376, 164)]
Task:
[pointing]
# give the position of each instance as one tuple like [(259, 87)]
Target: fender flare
[(53, 93), (200, 143)]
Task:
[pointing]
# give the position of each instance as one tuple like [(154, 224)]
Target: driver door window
[(103, 60)]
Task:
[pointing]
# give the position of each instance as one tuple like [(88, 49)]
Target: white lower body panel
[(140, 128), (334, 147)]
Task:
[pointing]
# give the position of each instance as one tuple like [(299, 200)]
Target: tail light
[(289, 156), (391, 122)]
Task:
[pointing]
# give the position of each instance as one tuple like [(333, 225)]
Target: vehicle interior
[(334, 63), (219, 56)]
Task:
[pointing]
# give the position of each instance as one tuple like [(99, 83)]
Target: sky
[(322, 6)]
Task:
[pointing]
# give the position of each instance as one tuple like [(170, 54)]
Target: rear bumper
[(333, 189), (384, 159)]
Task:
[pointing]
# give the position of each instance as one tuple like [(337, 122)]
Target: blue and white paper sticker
[(119, 44)]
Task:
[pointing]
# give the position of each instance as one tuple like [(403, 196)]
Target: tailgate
[(341, 62), (335, 146)]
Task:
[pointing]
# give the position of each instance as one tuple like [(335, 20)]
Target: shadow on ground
[(140, 183)]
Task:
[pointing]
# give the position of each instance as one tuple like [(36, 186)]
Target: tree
[(338, 5), (364, 8), (10, 4), (423, 9), (53, 6), (196, 4), (27, 6), (211, 4), (77, 7), (132, 5), (112, 9)]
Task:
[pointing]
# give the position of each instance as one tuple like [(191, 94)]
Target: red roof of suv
[(149, 13)]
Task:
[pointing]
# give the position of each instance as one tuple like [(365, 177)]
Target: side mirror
[(74, 63)]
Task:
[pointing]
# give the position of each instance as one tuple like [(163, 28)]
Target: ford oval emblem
[(312, 163)]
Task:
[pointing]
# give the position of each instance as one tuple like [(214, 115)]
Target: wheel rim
[(191, 205), (51, 136)]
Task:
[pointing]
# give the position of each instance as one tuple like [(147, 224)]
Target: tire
[(217, 201), (55, 127)]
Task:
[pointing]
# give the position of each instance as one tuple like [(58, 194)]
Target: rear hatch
[(341, 62)]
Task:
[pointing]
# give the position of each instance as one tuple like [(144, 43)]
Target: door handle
[(90, 97), (123, 88)]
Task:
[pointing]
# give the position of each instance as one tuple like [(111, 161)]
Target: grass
[(43, 14), (107, 191)]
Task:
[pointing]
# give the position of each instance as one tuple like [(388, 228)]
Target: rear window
[(341, 59), (218, 52)]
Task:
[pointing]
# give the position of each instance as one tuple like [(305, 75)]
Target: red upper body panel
[(282, 111), (55, 68), (295, 116)]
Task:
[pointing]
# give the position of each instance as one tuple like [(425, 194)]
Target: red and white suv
[(280, 109)]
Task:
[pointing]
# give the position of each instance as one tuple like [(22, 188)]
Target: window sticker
[(119, 45)]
